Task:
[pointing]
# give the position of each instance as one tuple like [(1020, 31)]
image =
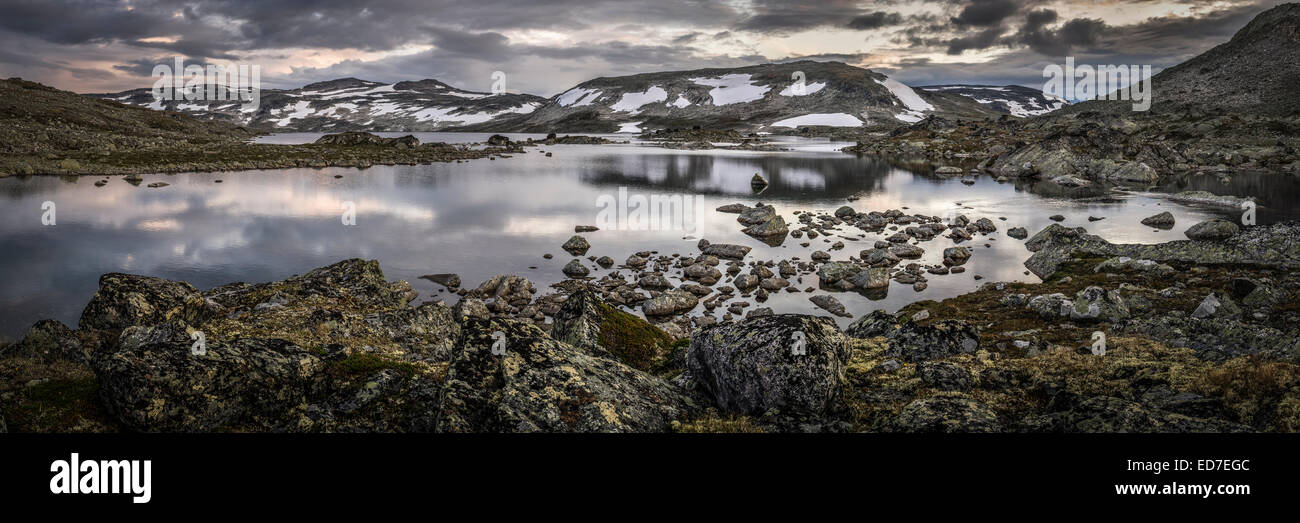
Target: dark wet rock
[(671, 302), (956, 255), (870, 279), (746, 282), (907, 251), (635, 262), (576, 246), (605, 261), (758, 182), (542, 385), (585, 228), (733, 208), (948, 414), (575, 269), (1213, 230), (878, 323), (914, 342), (830, 304), (654, 281), (448, 280), (1164, 220), (756, 215), (772, 228), (724, 250), (751, 367), (1018, 233)]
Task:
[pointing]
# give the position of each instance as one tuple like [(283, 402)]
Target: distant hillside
[(760, 97), (1015, 100), (36, 119), (350, 104)]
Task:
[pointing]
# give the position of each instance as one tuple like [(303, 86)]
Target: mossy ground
[(51, 397)]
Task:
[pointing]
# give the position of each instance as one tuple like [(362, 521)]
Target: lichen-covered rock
[(726, 250), (671, 302), (753, 366), (576, 245), (1095, 304), (915, 342), (1213, 230), (878, 323), (542, 385), (426, 332), (125, 300), (153, 381), (1164, 220)]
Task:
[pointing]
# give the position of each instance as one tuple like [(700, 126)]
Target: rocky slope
[(1015, 100), (1195, 336), (47, 131), (1257, 72), (349, 104), (761, 97)]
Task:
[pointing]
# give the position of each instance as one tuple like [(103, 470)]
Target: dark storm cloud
[(981, 40), (1079, 32), (984, 13), (875, 20)]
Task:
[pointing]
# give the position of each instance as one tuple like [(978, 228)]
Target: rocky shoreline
[(1195, 335)]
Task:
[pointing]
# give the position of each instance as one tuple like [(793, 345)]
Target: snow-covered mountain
[(350, 104), (761, 97), (1015, 100)]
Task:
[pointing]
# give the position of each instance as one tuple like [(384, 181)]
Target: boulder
[(751, 367), (1213, 230), (543, 385)]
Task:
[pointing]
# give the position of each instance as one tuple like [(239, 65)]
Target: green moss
[(635, 341), (366, 364)]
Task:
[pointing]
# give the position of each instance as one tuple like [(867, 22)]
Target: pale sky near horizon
[(547, 47)]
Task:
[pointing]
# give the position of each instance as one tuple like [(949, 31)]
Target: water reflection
[(482, 218)]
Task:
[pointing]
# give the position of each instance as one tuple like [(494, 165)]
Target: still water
[(482, 218)]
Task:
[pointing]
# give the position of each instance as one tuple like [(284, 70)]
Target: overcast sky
[(547, 47)]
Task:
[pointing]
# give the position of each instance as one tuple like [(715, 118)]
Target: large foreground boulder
[(542, 385), (154, 381), (753, 366)]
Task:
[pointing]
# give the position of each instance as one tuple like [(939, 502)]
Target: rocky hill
[(760, 97), (1015, 100), (350, 104), (1256, 72)]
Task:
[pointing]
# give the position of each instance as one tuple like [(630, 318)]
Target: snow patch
[(578, 96), (733, 88), (828, 119), (630, 102), (629, 127), (681, 101)]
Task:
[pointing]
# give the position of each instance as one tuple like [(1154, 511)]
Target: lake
[(486, 217)]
